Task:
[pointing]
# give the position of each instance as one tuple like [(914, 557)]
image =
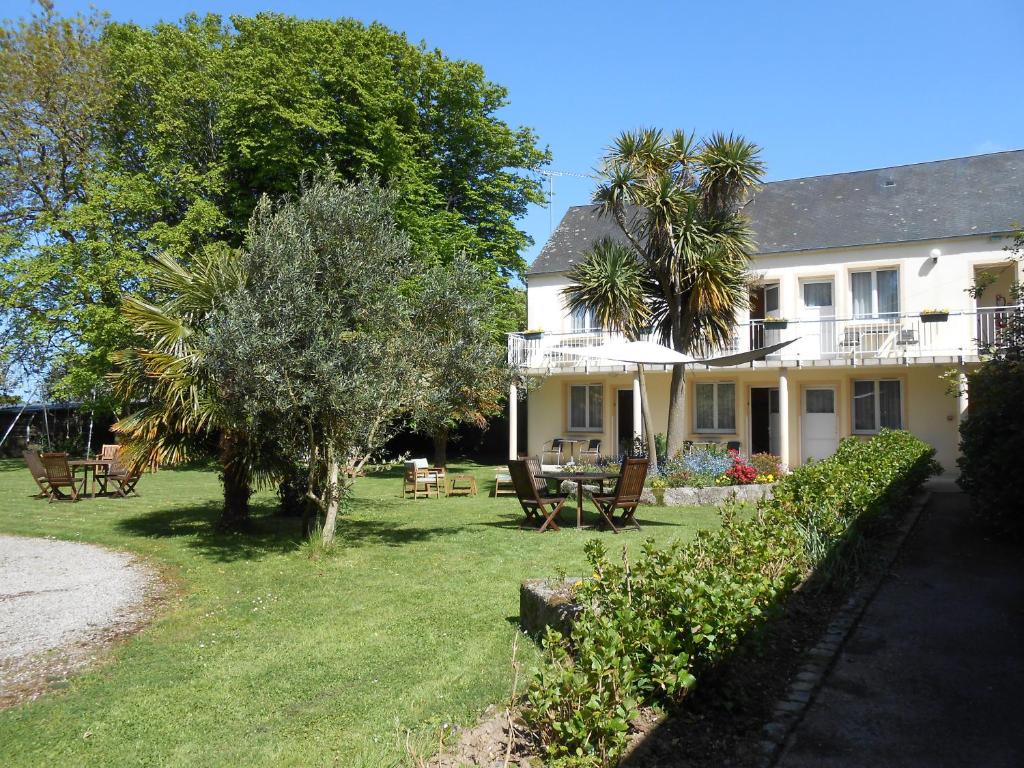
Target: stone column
[(513, 422), (784, 416), (638, 416)]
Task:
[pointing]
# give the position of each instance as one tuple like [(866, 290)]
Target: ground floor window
[(586, 407), (716, 407), (877, 404)]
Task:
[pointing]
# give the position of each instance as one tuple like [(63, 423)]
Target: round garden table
[(579, 478)]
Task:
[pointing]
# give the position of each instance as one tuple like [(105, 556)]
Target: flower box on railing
[(934, 315), (776, 323), (532, 335)]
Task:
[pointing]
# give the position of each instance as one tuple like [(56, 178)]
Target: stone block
[(545, 604)]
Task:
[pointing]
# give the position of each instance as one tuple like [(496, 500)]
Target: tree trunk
[(645, 412), (333, 498), (441, 448), (676, 405), (236, 483)]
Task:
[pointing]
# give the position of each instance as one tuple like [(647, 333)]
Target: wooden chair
[(627, 494), (533, 466), (534, 504), (124, 477), (421, 480), (35, 466), (59, 475), (554, 449), (107, 453), (592, 452)]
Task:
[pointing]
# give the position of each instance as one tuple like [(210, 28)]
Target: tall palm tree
[(678, 201), (180, 412), (610, 284)]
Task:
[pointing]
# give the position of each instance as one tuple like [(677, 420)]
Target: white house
[(849, 261)]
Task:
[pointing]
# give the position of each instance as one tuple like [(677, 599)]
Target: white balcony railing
[(909, 336)]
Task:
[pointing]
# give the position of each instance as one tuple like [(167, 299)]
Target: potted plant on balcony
[(934, 315), (773, 323)]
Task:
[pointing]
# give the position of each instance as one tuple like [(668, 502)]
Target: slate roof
[(978, 195)]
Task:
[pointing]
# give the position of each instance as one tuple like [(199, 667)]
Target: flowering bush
[(740, 473), (711, 461)]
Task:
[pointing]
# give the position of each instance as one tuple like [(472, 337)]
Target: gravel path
[(59, 600)]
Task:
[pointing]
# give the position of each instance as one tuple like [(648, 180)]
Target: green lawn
[(265, 657)]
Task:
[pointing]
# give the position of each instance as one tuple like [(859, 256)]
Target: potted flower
[(934, 315), (533, 333), (658, 485), (773, 323)]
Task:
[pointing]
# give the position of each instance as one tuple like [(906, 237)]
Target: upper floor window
[(875, 293), (582, 320), (586, 407), (716, 407), (877, 405)]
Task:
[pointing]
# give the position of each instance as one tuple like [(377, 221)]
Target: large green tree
[(66, 250), (118, 141), (678, 201)]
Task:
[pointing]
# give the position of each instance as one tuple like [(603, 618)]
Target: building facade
[(868, 274)]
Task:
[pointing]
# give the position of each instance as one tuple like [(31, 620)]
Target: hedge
[(653, 627)]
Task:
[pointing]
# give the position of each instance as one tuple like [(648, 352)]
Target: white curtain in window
[(705, 406), (889, 415), (864, 406), (727, 407), (861, 287), (888, 292), (596, 396), (817, 294)]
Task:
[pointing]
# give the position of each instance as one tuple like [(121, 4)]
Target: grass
[(264, 656)]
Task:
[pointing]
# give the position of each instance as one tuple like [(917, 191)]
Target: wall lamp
[(935, 253)]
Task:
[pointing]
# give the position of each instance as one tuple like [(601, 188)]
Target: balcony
[(892, 339)]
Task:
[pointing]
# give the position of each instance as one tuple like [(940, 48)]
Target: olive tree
[(319, 339)]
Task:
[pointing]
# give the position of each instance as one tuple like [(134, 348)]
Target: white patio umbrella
[(651, 353)]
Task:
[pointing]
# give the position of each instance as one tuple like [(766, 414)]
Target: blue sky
[(822, 87)]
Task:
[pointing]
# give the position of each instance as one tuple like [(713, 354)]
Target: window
[(821, 401), (818, 294), (582, 320), (586, 407), (877, 405), (875, 294), (771, 300), (716, 407)]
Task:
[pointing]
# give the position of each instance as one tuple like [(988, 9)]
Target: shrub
[(651, 629), (711, 460), (767, 464), (740, 473)]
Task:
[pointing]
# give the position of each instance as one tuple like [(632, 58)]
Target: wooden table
[(462, 485), (86, 464), (579, 478)]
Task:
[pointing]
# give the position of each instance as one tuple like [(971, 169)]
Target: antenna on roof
[(551, 190)]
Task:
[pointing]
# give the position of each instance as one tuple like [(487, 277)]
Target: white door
[(818, 316), (819, 437)]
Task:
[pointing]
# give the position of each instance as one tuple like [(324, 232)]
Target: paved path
[(933, 675), (58, 599)]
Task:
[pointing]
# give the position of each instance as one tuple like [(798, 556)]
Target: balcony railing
[(895, 337)]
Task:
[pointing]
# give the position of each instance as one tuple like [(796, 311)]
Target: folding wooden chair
[(126, 479), (107, 453), (627, 494), (534, 503), (35, 466), (59, 475)]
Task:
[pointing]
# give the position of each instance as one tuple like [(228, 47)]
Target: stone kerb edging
[(711, 496)]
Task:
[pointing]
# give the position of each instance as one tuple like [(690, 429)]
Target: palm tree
[(180, 412), (679, 204), (610, 284)]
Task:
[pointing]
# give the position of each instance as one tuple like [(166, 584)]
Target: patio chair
[(733, 445), (554, 449), (592, 452), (35, 466), (627, 494), (534, 504), (59, 475), (421, 480), (123, 477), (109, 453), (534, 467)]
